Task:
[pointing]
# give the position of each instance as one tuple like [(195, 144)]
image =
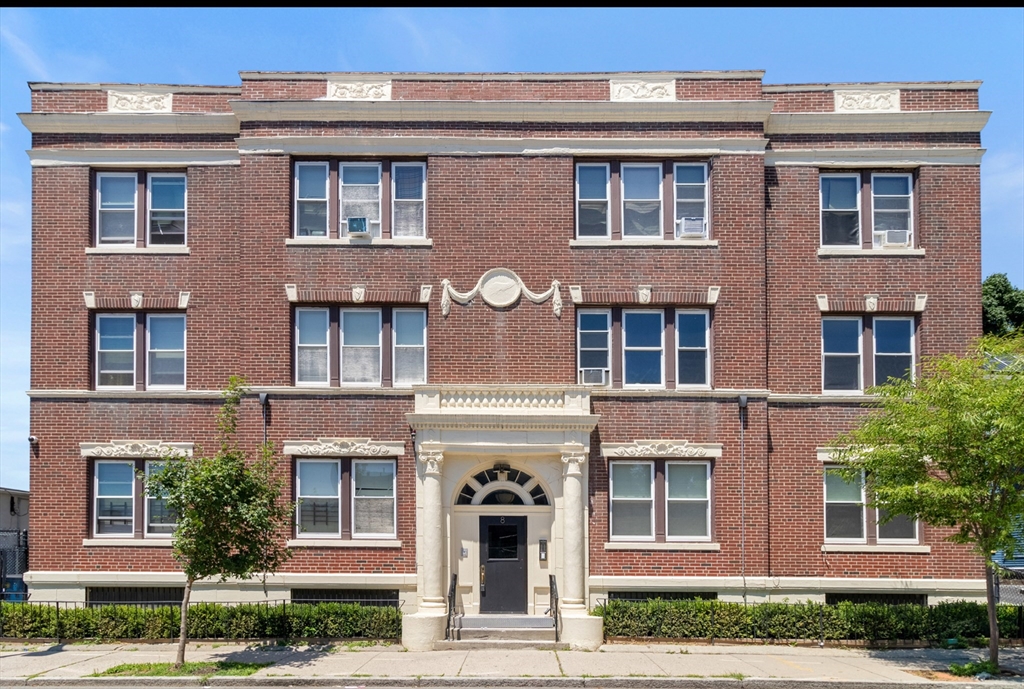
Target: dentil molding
[(661, 448), (343, 447), (138, 101), (136, 449), (500, 288)]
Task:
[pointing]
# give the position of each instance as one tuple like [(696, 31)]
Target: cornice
[(168, 88), (129, 123), (873, 157), (904, 85), (133, 157), (501, 111), (502, 422), (877, 123), (496, 76), (481, 146)]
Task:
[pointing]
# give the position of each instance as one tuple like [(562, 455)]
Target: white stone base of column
[(582, 631), (420, 630)]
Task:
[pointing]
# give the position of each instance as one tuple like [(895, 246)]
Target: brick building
[(503, 326)]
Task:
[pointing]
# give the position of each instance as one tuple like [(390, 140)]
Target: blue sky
[(212, 46)]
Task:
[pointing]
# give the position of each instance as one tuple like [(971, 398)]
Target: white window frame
[(707, 469), (661, 348), (299, 533), (99, 209), (395, 346), (612, 499), (874, 345), (149, 206), (395, 201), (675, 201), (374, 226), (910, 212), (96, 499), (312, 384), (326, 199), (341, 347), (607, 200), (860, 355), (821, 211), (184, 351), (394, 497), (146, 499), (579, 348), (135, 346), (661, 200), (707, 350), (826, 502)]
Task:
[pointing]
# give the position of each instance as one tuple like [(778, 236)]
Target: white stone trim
[(645, 90), (129, 123), (668, 545), (339, 543), (576, 294), (358, 89), (647, 242), (500, 288), (139, 101), (713, 292), (920, 302), (108, 249), (779, 585), (90, 299), (343, 447), (723, 393), (868, 253), (127, 88), (867, 100), (127, 542), (183, 298), (126, 394), (358, 241), (501, 76), (131, 157), (501, 111), (873, 157), (820, 399), (136, 449), (822, 300), (661, 448), (875, 548), (825, 454), (905, 85), (42, 578), (488, 146), (878, 123), (292, 292), (495, 399)]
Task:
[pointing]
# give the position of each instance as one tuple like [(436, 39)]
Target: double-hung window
[(860, 352), (691, 208), (118, 339), (360, 346), (121, 508), (693, 362), (595, 345), (593, 199), (641, 200), (359, 200), (346, 498), (882, 202), (659, 500), (141, 208), (840, 210), (848, 520), (892, 210), (643, 361)]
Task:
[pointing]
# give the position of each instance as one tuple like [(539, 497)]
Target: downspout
[(743, 495)]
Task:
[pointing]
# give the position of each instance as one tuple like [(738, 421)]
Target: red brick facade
[(486, 210)]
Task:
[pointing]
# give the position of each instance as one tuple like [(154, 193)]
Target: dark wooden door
[(503, 564)]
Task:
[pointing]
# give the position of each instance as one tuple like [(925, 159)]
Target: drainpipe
[(743, 495), (265, 403)]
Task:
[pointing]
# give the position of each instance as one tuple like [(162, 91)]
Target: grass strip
[(220, 668)]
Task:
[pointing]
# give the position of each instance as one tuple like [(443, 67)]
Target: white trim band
[(129, 123), (868, 253), (136, 449), (877, 123), (498, 76), (342, 447), (668, 545), (873, 157), (661, 448), (133, 157), (132, 249), (333, 580), (127, 542), (339, 543), (875, 548)]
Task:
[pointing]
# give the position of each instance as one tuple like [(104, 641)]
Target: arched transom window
[(502, 485)]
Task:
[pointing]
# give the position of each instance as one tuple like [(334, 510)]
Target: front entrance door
[(503, 564)]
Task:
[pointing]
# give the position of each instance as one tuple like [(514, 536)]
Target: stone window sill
[(350, 241), (864, 253), (152, 250), (874, 548), (673, 545), (656, 242), (339, 543), (128, 542)]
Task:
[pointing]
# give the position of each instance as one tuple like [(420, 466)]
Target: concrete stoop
[(502, 632)]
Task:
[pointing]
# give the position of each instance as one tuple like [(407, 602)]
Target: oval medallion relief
[(500, 287)]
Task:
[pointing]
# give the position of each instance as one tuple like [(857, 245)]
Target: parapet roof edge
[(924, 85), (173, 88), (501, 76)]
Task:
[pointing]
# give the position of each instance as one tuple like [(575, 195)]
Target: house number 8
[(502, 520)]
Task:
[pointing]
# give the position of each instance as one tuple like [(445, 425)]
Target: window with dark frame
[(140, 208), (345, 498), (343, 346), (858, 352), (140, 351), (120, 506), (661, 500)]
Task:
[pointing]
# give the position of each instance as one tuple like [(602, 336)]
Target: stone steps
[(501, 632)]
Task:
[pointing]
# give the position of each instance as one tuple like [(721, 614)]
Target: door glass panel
[(502, 542)]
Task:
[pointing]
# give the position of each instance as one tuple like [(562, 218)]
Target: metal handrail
[(451, 608), (553, 610)]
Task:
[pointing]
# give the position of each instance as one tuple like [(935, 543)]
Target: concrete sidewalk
[(617, 665)]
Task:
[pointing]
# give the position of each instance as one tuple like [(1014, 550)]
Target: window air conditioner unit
[(690, 227), (897, 237), (358, 227), (594, 376)]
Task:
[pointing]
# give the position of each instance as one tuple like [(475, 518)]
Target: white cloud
[(25, 54)]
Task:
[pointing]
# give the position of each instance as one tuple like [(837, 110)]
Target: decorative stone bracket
[(136, 301), (646, 294), (500, 288), (872, 303), (661, 448), (136, 449), (342, 447), (358, 294)]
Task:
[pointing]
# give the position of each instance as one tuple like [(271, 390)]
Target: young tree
[(229, 511), (1002, 305), (947, 449)]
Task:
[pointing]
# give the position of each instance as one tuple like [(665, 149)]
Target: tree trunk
[(993, 617), (183, 636)]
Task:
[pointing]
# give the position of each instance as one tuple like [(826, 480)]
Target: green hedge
[(205, 621), (682, 619)]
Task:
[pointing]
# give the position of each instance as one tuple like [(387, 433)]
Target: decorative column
[(432, 530), (574, 541)]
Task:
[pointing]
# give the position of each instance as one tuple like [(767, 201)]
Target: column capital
[(573, 459), (431, 460)]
